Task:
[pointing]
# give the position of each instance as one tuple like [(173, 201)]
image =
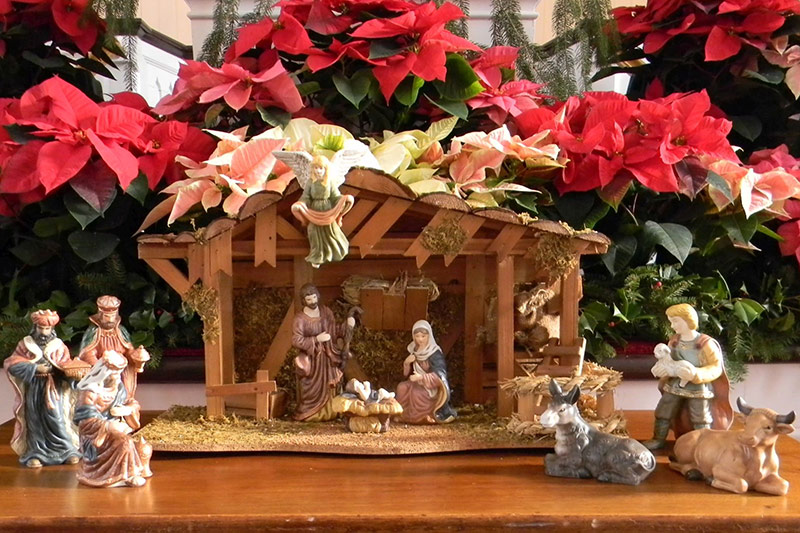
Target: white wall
[(155, 76)]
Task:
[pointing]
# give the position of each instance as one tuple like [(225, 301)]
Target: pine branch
[(460, 27), (121, 19), (263, 9), (226, 20)]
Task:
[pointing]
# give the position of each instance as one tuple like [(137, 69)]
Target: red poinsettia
[(286, 34)]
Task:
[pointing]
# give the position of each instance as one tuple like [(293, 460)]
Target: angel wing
[(353, 154), (300, 162)]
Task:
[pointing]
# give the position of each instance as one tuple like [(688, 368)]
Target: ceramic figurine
[(44, 394), (106, 417), (694, 386), (321, 207), (365, 409), (584, 452), (320, 363), (736, 460), (107, 333), (425, 395)]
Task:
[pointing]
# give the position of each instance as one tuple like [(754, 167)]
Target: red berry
[(657, 285), (612, 324)]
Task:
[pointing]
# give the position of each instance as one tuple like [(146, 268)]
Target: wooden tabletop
[(486, 491)]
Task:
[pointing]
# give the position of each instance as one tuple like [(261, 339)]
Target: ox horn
[(785, 419), (743, 407)]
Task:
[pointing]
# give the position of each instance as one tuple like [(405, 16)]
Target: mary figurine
[(425, 395)]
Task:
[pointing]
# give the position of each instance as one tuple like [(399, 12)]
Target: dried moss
[(257, 316), (203, 301), (448, 238), (188, 429), (554, 254)]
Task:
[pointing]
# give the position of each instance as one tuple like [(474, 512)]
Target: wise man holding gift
[(106, 333), (43, 431)]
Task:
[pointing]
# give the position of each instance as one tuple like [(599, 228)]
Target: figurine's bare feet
[(136, 481), (72, 460), (383, 394), (33, 463)]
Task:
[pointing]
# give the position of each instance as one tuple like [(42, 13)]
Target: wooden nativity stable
[(486, 255)]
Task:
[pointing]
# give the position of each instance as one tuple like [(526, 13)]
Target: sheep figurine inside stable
[(584, 452), (666, 365)]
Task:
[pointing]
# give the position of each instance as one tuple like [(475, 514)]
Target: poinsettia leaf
[(792, 80), (768, 232), (274, 116), (20, 134), (353, 89), (52, 62), (573, 207), (457, 109), (739, 227), (408, 90), (428, 186), (720, 184), (157, 213), (92, 247), (461, 82), (674, 238), (440, 129), (309, 87), (791, 26), (138, 188), (748, 126), (766, 73), (95, 66), (97, 185), (383, 48), (620, 253), (529, 202), (614, 192), (211, 118), (692, 176), (52, 226), (80, 209), (59, 162), (747, 310), (34, 252)]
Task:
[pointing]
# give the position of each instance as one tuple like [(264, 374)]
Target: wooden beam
[(196, 259), (506, 240), (505, 332), (162, 251), (361, 209), (170, 273), (287, 231), (469, 225), (474, 316), (227, 345), (570, 295), (377, 226), (416, 249), (266, 237), (281, 343), (242, 388), (303, 273)]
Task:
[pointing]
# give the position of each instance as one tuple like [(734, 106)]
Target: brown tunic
[(318, 367)]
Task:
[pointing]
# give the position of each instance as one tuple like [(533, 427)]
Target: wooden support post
[(280, 345), (505, 332), (215, 405), (474, 315), (570, 290), (266, 238), (262, 398)]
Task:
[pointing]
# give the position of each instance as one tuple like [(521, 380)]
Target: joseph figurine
[(319, 365)]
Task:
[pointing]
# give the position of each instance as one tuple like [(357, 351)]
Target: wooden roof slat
[(417, 249), (469, 225), (218, 227), (506, 240), (257, 202), (286, 230), (377, 181), (361, 209), (375, 228)]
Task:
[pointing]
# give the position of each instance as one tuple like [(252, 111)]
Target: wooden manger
[(481, 255)]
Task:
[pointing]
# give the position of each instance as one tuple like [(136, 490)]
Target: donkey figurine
[(583, 452)]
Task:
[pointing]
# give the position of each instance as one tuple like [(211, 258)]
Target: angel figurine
[(321, 207)]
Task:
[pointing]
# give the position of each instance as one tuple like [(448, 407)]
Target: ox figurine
[(736, 460), (583, 452)]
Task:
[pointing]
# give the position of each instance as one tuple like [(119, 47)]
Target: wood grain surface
[(486, 491)]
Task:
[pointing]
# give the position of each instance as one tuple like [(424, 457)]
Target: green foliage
[(226, 20)]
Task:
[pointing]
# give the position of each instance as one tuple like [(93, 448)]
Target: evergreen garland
[(226, 20), (120, 16)]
